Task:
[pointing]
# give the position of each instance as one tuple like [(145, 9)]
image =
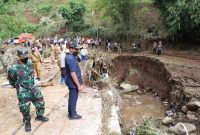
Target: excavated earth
[(167, 85)]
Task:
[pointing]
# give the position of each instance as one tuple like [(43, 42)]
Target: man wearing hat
[(20, 75), (73, 80)]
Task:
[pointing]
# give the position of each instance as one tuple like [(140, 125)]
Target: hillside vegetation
[(113, 19), (40, 17), (46, 18)]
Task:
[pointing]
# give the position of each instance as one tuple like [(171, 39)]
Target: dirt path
[(56, 109)]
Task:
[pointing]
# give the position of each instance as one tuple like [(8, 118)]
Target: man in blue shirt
[(73, 80)]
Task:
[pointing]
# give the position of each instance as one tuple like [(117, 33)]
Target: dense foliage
[(182, 18), (12, 26), (113, 17), (73, 12), (124, 19), (33, 16)]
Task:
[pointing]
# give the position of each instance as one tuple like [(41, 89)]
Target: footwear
[(41, 118), (27, 126), (75, 117)]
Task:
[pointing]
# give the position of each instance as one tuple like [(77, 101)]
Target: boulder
[(128, 87), (167, 120), (184, 109), (191, 116), (194, 105), (169, 113), (183, 128)]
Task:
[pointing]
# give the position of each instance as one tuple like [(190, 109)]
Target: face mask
[(24, 60), (75, 53)]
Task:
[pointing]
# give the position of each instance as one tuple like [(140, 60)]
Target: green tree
[(73, 12), (182, 19), (114, 16), (11, 26)]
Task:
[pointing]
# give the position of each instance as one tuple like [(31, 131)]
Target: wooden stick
[(95, 72)]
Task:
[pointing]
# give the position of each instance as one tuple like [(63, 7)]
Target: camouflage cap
[(22, 53)]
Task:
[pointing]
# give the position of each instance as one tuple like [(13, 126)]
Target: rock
[(138, 103), (125, 86), (110, 93), (169, 113), (167, 120), (166, 104), (184, 109), (194, 105), (134, 87), (128, 88), (191, 116), (139, 92), (179, 129), (180, 114)]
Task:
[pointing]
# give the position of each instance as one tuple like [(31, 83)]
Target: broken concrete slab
[(113, 126)]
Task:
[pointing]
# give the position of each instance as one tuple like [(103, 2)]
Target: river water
[(138, 106)]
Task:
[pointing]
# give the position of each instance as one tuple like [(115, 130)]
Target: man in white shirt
[(62, 65), (84, 53)]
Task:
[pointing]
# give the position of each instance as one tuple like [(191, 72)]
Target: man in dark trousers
[(73, 80)]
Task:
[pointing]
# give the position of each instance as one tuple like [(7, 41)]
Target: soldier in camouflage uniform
[(21, 76)]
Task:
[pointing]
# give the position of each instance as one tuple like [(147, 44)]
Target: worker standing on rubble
[(73, 81), (20, 75)]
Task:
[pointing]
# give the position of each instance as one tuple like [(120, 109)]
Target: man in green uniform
[(21, 76)]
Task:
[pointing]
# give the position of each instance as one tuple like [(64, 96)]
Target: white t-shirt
[(83, 52), (62, 59)]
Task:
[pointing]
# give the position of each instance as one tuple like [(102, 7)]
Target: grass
[(146, 128)]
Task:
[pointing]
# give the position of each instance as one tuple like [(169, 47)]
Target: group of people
[(157, 48), (21, 76), (116, 47)]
